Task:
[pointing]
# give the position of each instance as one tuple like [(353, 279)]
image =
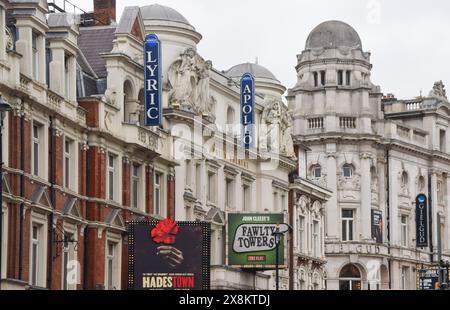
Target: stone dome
[(333, 34), (256, 70), (157, 12)]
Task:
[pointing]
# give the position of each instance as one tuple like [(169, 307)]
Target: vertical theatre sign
[(377, 226), (421, 221), (248, 110), (168, 255), (153, 85), (251, 242)]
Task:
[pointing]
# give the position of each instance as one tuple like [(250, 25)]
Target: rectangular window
[(404, 230), (322, 78), (211, 187), (158, 209), (283, 202), (340, 77), (198, 180), (315, 241), (405, 278), (316, 79), (275, 201), (67, 162), (348, 78), (35, 254), (135, 185), (301, 233), (35, 55), (229, 193), (37, 141), (67, 256), (111, 176), (110, 265), (347, 225), (442, 140), (67, 75), (246, 197)]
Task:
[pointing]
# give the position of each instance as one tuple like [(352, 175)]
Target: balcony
[(228, 278)]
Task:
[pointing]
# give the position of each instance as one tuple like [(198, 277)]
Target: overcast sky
[(409, 39)]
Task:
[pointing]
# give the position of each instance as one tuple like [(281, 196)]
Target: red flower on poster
[(165, 232)]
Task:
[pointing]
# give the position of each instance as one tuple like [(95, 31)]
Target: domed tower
[(266, 83), (172, 28), (337, 115)]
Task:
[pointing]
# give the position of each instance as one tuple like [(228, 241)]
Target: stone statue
[(188, 79), (438, 90), (277, 133)]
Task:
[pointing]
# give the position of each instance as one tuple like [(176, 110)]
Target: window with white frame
[(246, 191), (188, 181), (135, 185), (347, 219), (35, 55), (38, 147), (316, 171), (69, 163), (302, 163), (37, 255), (348, 170), (404, 230), (158, 193), (301, 233), (112, 266), (217, 245), (111, 176), (315, 239), (68, 257), (275, 201), (340, 77), (67, 78), (212, 185), (283, 202), (229, 193), (348, 78)]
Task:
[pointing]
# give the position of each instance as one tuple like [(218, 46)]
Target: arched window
[(316, 171), (230, 116), (350, 278), (421, 184), (404, 179), (128, 93), (348, 170)]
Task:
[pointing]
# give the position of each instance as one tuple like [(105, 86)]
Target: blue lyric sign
[(421, 221), (152, 80), (248, 111)]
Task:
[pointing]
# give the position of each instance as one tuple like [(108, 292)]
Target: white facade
[(373, 154)]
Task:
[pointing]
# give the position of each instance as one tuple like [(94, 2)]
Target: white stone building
[(373, 153)]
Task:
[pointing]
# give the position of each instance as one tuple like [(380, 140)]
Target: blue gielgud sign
[(248, 110), (153, 85), (421, 221)]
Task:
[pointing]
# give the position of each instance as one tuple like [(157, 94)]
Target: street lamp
[(4, 107), (278, 235)]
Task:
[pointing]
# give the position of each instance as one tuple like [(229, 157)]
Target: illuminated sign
[(152, 80), (247, 111)]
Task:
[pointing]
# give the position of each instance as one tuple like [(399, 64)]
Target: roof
[(60, 20), (161, 12), (333, 34), (127, 20), (256, 70), (93, 42)]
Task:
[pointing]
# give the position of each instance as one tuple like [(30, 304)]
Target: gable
[(137, 31), (40, 198)]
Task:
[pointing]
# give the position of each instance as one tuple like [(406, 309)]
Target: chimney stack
[(104, 12)]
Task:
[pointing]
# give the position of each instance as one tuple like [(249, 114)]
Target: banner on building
[(152, 80), (248, 111), (251, 243), (377, 226), (169, 255), (421, 221)]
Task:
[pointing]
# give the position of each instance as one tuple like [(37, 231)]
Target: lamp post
[(4, 107), (280, 230)]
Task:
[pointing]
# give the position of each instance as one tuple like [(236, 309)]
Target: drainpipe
[(52, 199), (22, 188), (388, 217), (86, 229)]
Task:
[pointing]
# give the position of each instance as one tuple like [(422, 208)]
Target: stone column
[(332, 212), (2, 33), (149, 188), (434, 208), (366, 197), (72, 93), (446, 246), (393, 203), (41, 59), (57, 71), (381, 162), (24, 47)]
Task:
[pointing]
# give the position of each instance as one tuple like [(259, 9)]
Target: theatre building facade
[(79, 162)]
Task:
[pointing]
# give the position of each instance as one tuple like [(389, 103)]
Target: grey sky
[(409, 39)]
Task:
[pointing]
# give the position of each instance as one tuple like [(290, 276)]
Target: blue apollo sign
[(153, 85), (248, 110)]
